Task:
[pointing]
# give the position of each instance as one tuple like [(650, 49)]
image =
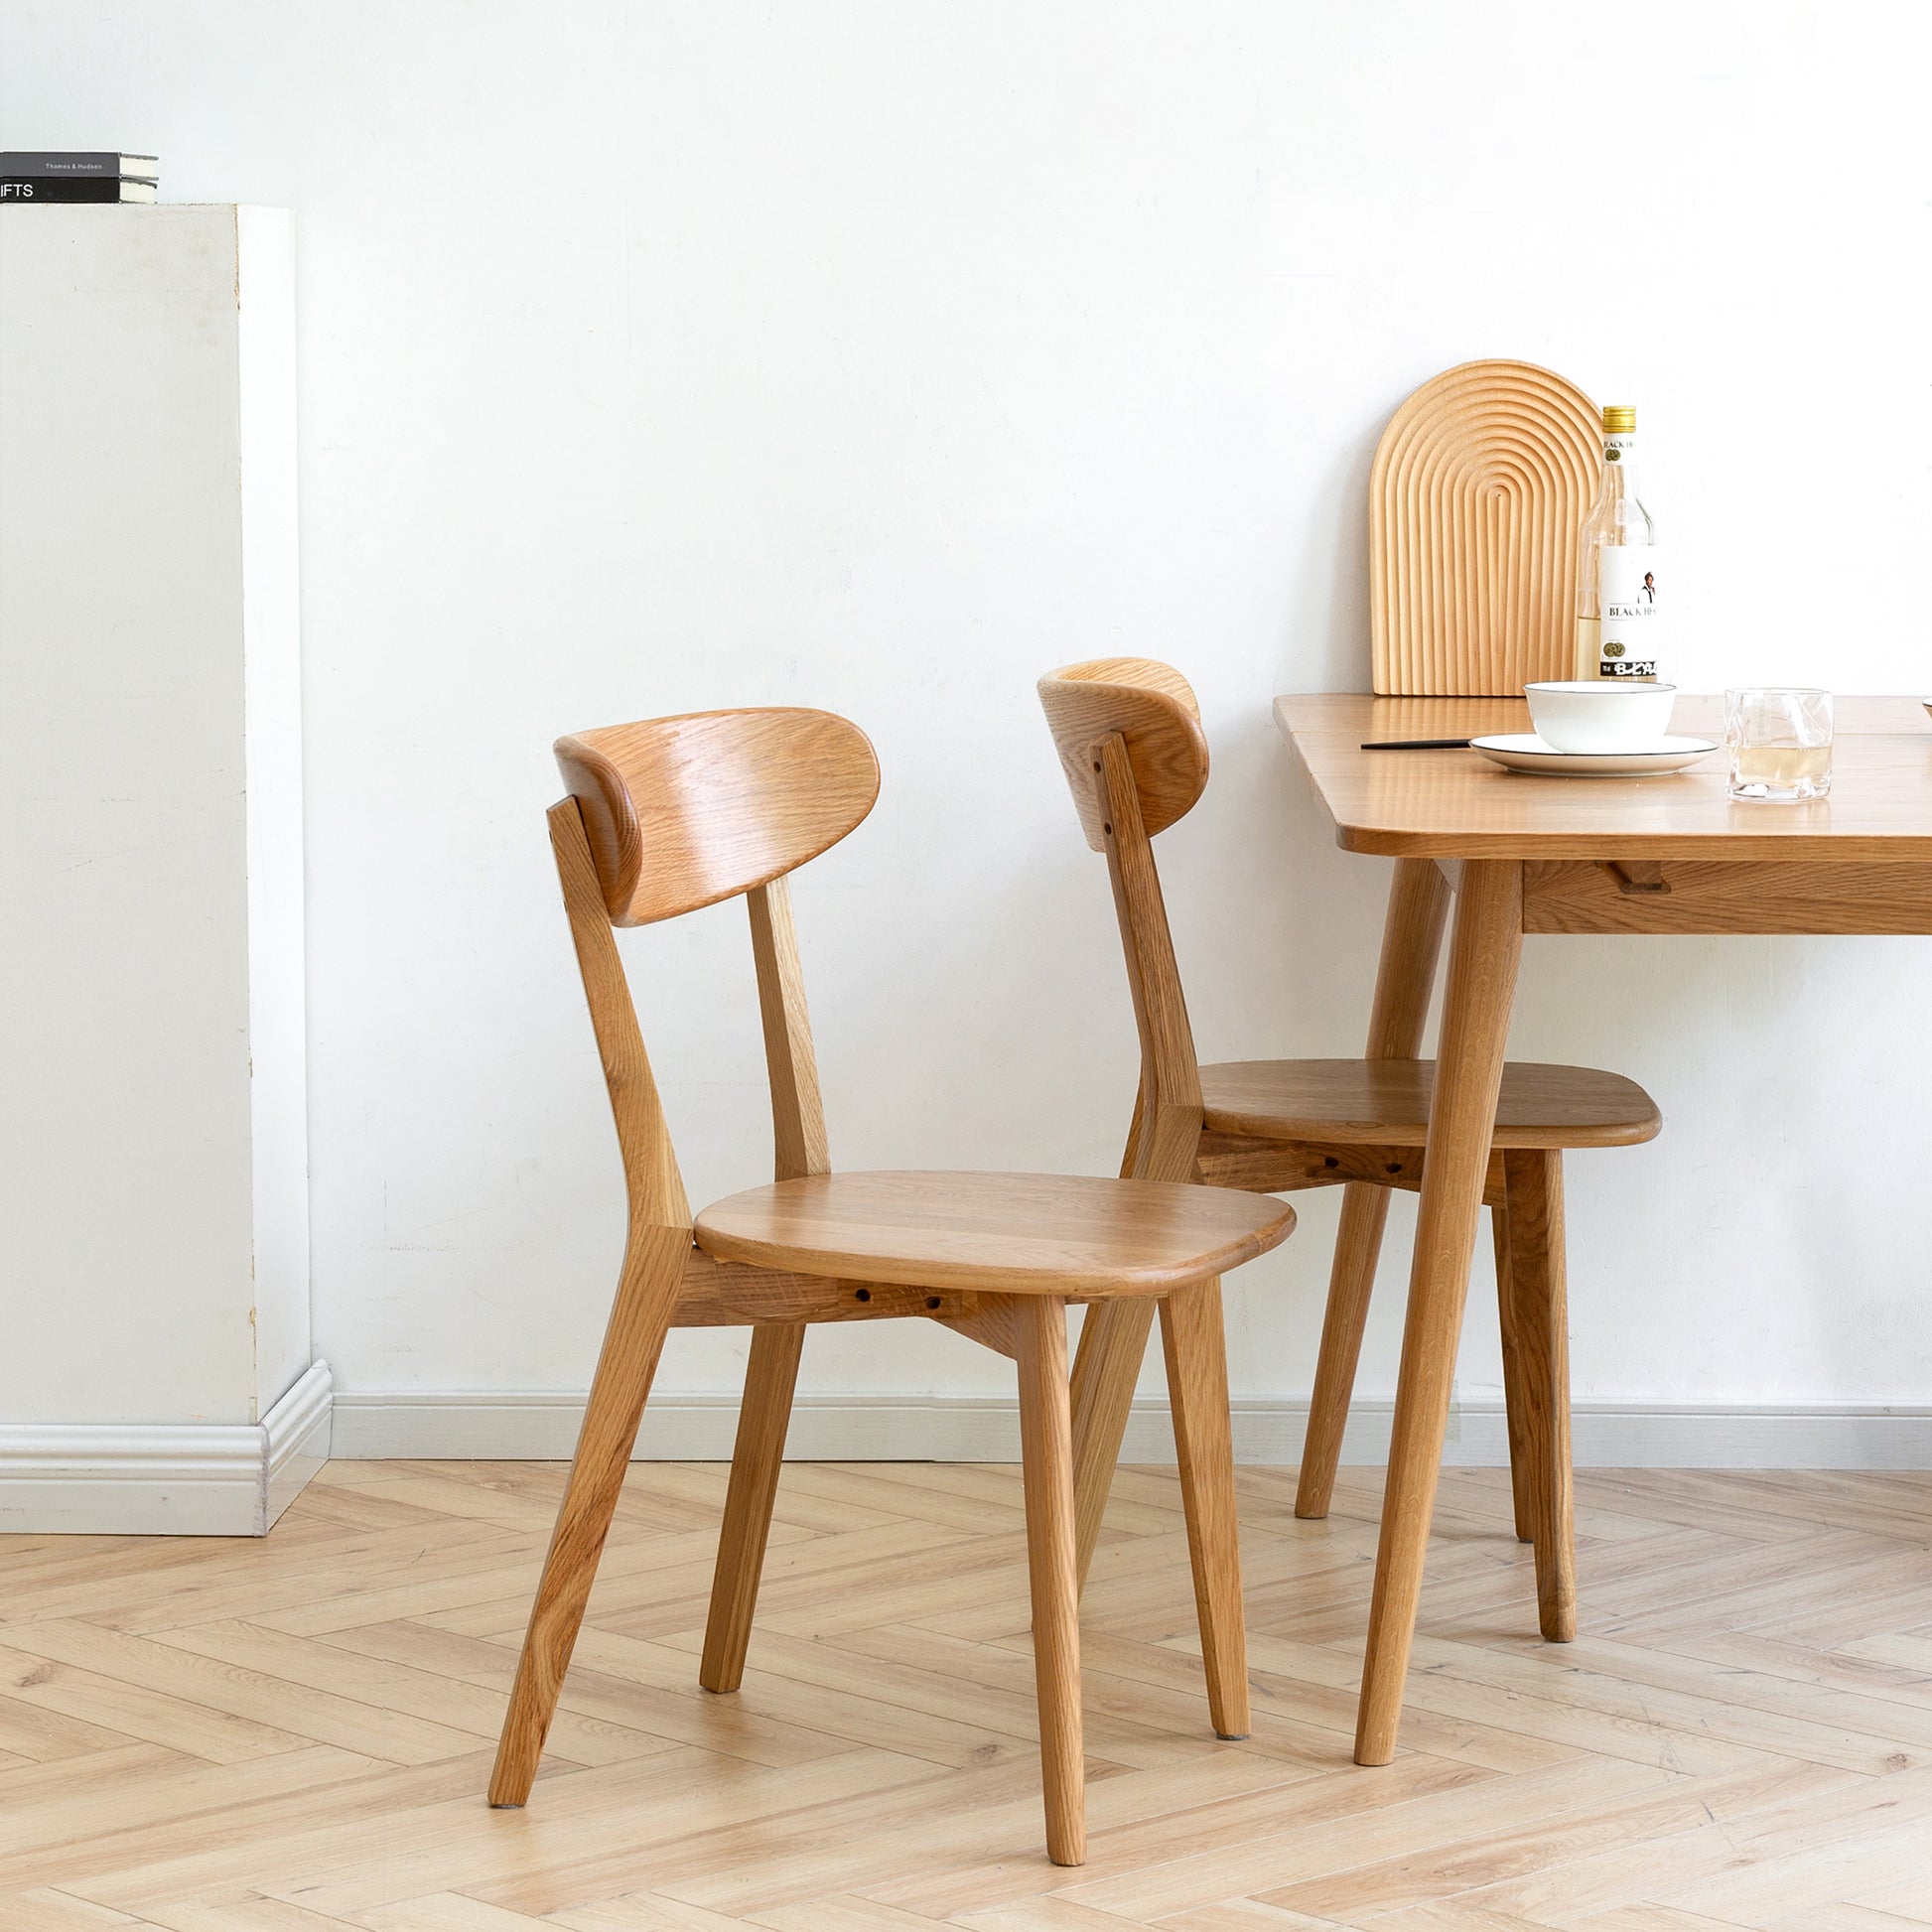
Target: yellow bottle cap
[(1619, 420)]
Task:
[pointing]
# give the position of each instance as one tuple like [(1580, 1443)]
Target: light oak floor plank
[(292, 1735), (47, 1911)]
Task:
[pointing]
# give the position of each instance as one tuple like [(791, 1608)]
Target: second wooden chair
[(1130, 740)]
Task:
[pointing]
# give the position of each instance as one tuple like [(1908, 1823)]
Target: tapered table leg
[(1483, 956)]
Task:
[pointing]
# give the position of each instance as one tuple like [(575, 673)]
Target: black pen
[(1417, 745)]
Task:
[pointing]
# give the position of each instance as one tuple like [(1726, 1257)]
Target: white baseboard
[(223, 1480), (164, 1478), (516, 1427)]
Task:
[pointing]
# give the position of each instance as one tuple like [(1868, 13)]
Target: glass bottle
[(1617, 634)]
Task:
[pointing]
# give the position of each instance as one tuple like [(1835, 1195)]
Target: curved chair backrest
[(681, 812), (1478, 490), (1150, 705)]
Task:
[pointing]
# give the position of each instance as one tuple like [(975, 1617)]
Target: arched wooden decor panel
[(1480, 485)]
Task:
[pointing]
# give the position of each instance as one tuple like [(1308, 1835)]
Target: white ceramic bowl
[(1600, 717)]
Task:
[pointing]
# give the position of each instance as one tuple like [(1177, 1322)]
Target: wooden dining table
[(1541, 853)]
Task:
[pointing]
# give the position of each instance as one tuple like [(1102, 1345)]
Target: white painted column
[(156, 1373)]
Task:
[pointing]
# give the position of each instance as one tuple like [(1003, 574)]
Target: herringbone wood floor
[(237, 1736)]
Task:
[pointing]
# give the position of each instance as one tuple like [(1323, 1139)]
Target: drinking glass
[(1780, 744)]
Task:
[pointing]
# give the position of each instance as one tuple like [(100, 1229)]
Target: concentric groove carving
[(1479, 488)]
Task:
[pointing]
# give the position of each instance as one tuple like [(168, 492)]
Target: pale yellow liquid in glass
[(1781, 767)]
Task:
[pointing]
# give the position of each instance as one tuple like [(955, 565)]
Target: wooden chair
[(1129, 736), (676, 813)]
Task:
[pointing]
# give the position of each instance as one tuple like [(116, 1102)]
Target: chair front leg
[(647, 1292), (1518, 1399), (1046, 1453), (1538, 1294), (1412, 941), (1196, 1344), (1351, 1277), (771, 1376)]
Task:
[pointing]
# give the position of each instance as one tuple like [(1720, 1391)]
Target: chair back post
[(1169, 1121), (1130, 741), (651, 1169), (799, 1146)]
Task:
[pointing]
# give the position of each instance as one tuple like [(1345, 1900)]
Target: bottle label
[(1630, 640)]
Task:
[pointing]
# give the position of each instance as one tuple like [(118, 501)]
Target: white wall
[(884, 356)]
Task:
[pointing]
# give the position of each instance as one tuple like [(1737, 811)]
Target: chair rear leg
[(1538, 1292), (1196, 1344), (1516, 1393), (1358, 1246), (647, 1292), (1113, 1343), (770, 1378), (1046, 1452), (1106, 1371)]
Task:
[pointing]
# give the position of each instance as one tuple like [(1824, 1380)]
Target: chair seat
[(1005, 1233), (1386, 1103)]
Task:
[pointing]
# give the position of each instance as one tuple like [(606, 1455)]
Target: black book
[(46, 164), (83, 188)]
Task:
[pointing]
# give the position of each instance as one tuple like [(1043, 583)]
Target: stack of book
[(30, 175)]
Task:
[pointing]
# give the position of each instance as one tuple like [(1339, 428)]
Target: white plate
[(1525, 751)]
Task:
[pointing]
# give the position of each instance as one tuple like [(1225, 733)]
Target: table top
[(1457, 804)]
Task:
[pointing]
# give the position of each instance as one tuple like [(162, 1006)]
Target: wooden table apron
[(1669, 855)]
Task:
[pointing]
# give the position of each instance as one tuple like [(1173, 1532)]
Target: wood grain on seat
[(1386, 1102), (1012, 1233)]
